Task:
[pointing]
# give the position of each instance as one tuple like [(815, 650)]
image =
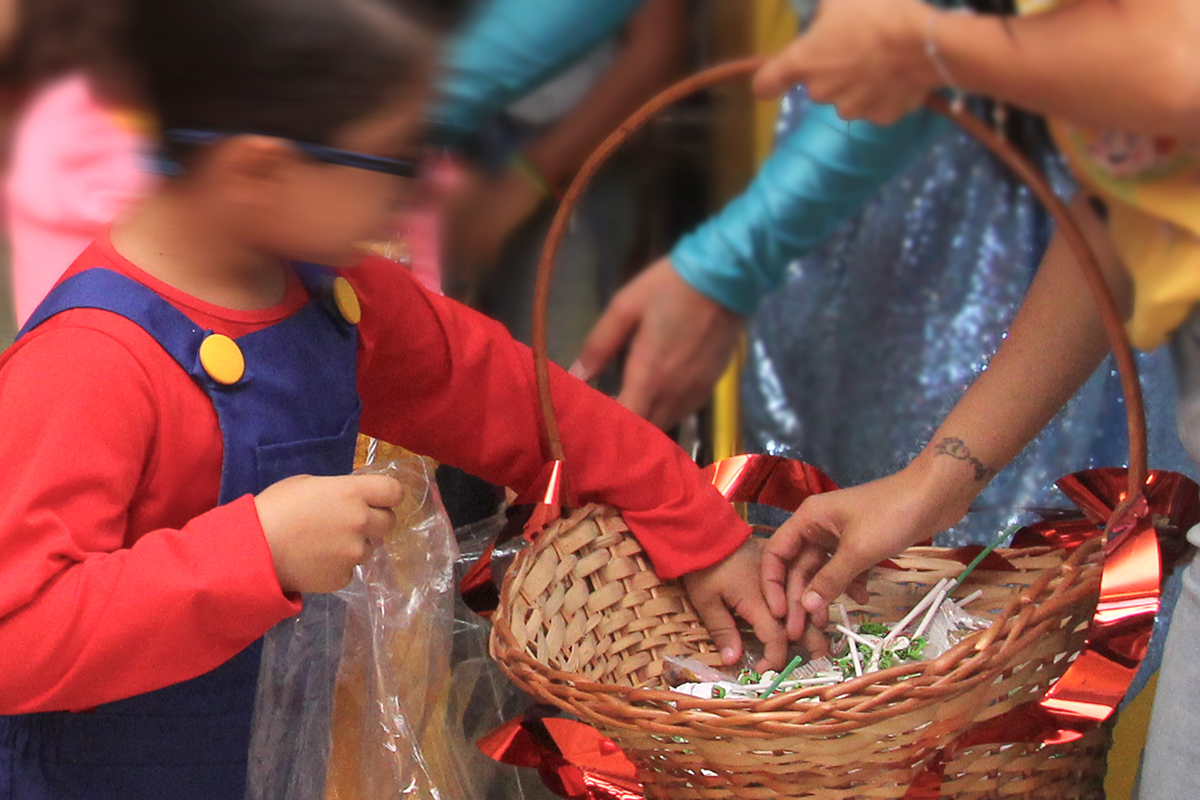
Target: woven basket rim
[(954, 672)]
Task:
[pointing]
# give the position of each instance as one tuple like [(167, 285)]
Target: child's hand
[(318, 529), (733, 585), (833, 538)]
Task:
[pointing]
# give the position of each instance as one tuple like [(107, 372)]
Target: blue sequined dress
[(874, 336)]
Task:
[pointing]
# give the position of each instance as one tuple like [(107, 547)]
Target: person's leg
[(1171, 762)]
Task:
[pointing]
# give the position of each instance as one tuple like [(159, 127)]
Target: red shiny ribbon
[(575, 760), (769, 480), (1134, 567), (532, 512)]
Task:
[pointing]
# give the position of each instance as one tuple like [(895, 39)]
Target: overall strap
[(105, 290), (333, 294)]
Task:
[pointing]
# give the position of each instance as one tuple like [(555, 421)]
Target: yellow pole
[(773, 24)]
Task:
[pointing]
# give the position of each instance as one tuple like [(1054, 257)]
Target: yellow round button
[(222, 359), (347, 301)]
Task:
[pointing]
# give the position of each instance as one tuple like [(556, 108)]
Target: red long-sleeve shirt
[(118, 575)]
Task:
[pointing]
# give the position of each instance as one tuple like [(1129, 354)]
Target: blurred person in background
[(10, 94), (82, 144), (75, 163), (81, 137), (526, 156)]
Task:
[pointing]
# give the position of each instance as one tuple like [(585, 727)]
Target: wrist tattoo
[(957, 449)]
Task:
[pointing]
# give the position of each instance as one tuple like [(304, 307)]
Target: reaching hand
[(865, 57), (732, 587), (682, 342), (319, 529), (833, 538)]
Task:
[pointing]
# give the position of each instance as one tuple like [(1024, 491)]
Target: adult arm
[(683, 314), (1125, 64), (818, 176), (512, 46), (652, 51)]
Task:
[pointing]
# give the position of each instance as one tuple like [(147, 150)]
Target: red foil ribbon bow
[(1134, 568), (574, 759), (769, 480), (528, 516)]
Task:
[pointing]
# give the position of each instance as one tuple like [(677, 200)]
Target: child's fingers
[(767, 628), (380, 522), (815, 642), (721, 627), (774, 575), (803, 568), (378, 491)]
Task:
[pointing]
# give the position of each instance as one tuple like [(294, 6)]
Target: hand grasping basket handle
[(1024, 170)]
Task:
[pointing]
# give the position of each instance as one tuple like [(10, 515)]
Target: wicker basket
[(1072, 771), (584, 623)]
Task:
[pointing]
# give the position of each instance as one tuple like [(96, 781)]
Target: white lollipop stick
[(971, 598), (899, 627), (935, 607), (854, 656)]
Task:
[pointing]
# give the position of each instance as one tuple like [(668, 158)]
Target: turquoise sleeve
[(510, 47), (817, 177)]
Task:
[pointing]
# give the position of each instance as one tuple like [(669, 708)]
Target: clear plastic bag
[(380, 691), (482, 698)]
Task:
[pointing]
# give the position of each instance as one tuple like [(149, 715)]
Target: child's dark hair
[(298, 69)]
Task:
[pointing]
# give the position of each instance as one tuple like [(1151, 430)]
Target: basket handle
[(1110, 316)]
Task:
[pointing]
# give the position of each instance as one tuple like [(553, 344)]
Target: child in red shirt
[(167, 408)]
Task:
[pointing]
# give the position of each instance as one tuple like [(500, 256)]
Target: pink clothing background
[(75, 169)]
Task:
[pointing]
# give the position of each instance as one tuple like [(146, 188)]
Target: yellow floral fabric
[(1152, 188)]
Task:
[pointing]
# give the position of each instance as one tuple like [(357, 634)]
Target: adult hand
[(832, 539), (681, 343), (865, 57)]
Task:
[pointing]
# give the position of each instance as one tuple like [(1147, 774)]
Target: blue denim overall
[(295, 410)]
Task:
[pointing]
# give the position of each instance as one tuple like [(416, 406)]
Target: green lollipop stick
[(1000, 539), (781, 677)]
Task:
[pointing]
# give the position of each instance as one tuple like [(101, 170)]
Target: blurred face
[(289, 204)]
